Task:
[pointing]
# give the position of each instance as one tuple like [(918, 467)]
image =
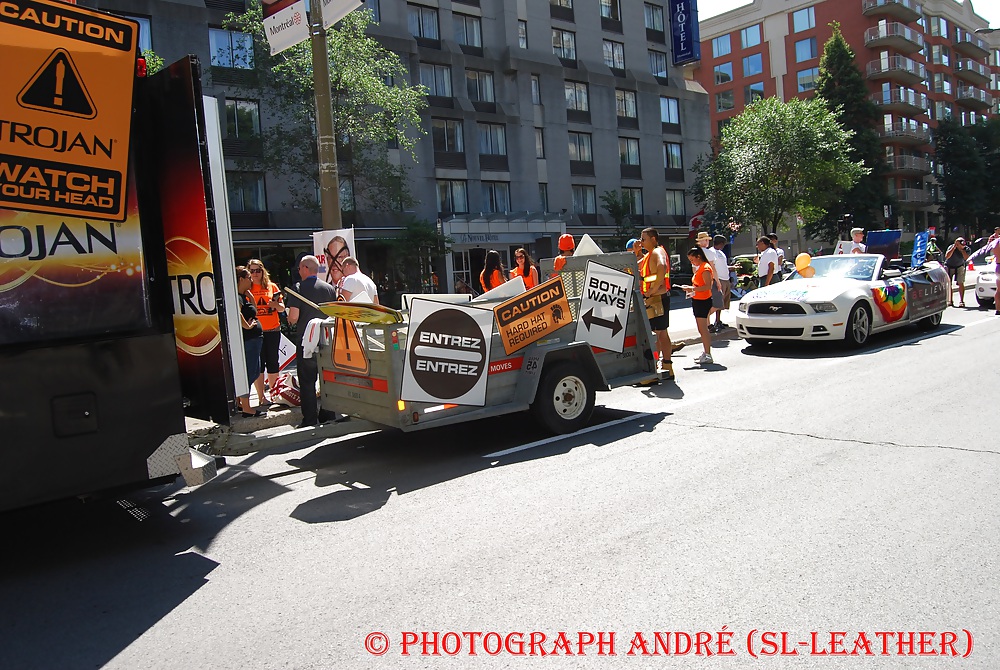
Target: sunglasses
[(519, 256), (256, 271)]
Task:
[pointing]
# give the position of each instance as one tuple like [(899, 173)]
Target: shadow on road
[(837, 349)]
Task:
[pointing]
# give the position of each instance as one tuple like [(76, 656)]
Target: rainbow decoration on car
[(891, 301)]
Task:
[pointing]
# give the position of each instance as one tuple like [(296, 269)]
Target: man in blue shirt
[(318, 291)]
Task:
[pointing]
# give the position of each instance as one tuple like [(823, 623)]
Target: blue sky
[(988, 9)]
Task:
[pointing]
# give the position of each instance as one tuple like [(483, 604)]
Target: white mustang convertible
[(849, 297)]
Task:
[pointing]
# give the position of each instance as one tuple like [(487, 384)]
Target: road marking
[(556, 438)]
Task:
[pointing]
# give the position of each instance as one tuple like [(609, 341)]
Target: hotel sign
[(684, 31)]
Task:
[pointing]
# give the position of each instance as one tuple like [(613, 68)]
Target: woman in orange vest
[(267, 297), (525, 269), (700, 293), (492, 274)]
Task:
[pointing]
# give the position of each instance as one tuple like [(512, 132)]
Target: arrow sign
[(590, 320), (604, 306)]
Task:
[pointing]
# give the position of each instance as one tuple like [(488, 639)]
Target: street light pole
[(326, 143)]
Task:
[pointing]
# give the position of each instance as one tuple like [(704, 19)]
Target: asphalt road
[(788, 489)]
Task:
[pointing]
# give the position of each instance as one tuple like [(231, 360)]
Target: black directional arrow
[(614, 326)]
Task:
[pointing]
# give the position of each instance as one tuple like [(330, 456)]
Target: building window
[(422, 21), (669, 110), (654, 16), (145, 38), (807, 79), (584, 200), (672, 157), (437, 79), (942, 83), (543, 196), (633, 198), (675, 203), (939, 26), (576, 96), (804, 19), (479, 85), (568, 4), (805, 49), (721, 46), (536, 89), (496, 197), (614, 54), (628, 150), (242, 119), (522, 34), (940, 55), (609, 9), (453, 196), (753, 65), (750, 37), (753, 92), (231, 49), (246, 191), (625, 103), (447, 135), (373, 6), (346, 194), (658, 63), (724, 73), (493, 139), (539, 143), (564, 44), (468, 30), (724, 101), (580, 147)]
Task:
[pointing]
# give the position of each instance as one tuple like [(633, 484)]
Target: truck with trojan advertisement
[(119, 328)]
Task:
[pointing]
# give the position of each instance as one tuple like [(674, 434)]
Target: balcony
[(970, 45), (913, 197), (905, 133), (909, 165), (899, 69), (895, 36), (974, 98), (903, 101), (975, 73), (906, 11)]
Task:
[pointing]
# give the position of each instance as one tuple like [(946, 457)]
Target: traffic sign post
[(67, 96)]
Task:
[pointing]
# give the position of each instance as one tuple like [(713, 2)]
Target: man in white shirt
[(858, 234), (704, 241), (722, 270), (356, 282), (781, 255)]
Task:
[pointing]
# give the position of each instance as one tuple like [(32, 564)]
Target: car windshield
[(850, 267)]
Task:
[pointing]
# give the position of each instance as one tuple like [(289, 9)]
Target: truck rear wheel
[(564, 401)]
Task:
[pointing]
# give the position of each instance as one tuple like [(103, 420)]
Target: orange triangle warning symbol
[(348, 354), (57, 87)]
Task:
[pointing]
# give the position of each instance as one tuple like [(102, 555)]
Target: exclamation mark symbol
[(347, 342), (57, 99)]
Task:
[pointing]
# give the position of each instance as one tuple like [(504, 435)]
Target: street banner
[(447, 354), (335, 10), (604, 307), (532, 315), (919, 255), (285, 24), (885, 242), (331, 247)]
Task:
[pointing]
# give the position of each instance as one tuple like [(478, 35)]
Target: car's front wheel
[(931, 322), (859, 326)]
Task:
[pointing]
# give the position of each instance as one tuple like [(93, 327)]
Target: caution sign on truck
[(66, 93)]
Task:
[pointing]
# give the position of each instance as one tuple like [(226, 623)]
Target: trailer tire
[(564, 401)]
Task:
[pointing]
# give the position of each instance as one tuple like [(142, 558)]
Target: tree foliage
[(962, 152), (368, 112), (619, 206), (415, 251), (777, 158), (841, 85)]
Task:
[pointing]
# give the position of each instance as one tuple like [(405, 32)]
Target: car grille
[(775, 332), (775, 308)]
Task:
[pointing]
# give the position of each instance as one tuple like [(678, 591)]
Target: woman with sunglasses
[(267, 297), (252, 337), (525, 269)]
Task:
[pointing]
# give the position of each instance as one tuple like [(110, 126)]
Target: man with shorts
[(704, 240), (654, 273), (956, 259), (722, 270)]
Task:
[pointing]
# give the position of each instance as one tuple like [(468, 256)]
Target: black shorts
[(269, 352), (662, 322), (701, 307)]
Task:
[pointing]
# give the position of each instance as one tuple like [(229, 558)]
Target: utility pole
[(326, 143)]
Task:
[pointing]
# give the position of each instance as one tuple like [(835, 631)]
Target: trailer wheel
[(565, 400)]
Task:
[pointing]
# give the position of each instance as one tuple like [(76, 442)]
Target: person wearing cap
[(704, 240), (654, 282), (955, 259), (933, 251), (857, 235), (566, 247), (781, 255), (723, 269), (635, 246)]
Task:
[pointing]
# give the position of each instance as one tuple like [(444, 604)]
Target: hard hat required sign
[(66, 97)]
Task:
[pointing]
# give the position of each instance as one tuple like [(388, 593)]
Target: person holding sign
[(655, 274), (525, 269), (700, 292)]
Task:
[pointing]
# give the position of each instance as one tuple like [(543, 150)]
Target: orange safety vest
[(495, 280), (702, 288), (267, 316), (559, 263), (529, 282), (644, 272)]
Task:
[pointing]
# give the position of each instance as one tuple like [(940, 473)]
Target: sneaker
[(704, 359), (719, 327), (677, 347)]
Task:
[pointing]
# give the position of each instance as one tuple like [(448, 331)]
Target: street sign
[(604, 307), (66, 93), (532, 315), (285, 24), (348, 352)]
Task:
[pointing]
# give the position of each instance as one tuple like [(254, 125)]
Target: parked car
[(986, 283)]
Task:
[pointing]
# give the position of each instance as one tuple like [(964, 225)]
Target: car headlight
[(823, 307), (743, 307)]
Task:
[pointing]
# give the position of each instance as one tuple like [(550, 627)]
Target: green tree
[(841, 86), (987, 136), (418, 249), (619, 207), (368, 112), (777, 158), (963, 180), (154, 63)]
